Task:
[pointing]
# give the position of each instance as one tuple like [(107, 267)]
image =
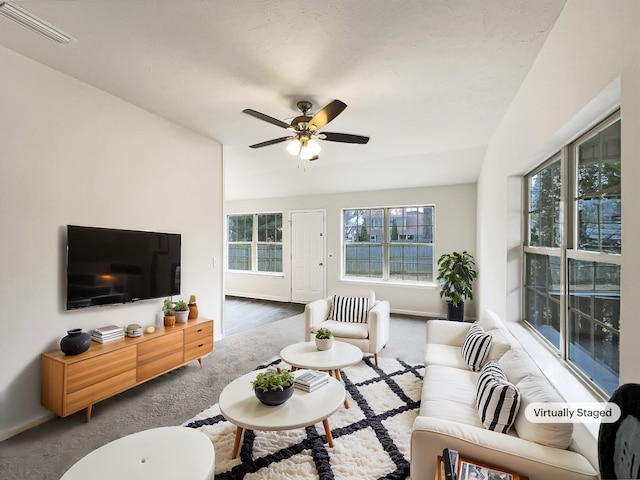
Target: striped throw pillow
[(498, 401), (349, 309), (475, 347)]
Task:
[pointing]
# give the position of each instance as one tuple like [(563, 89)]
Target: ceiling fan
[(305, 130)]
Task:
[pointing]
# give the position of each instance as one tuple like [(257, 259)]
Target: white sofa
[(449, 416), (370, 336)]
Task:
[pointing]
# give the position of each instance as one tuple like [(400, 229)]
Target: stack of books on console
[(311, 380), (107, 334)]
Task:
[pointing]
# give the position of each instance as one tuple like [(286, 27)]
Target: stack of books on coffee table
[(107, 334), (310, 380)]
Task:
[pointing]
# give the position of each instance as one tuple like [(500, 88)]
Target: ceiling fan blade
[(328, 113), (272, 142), (344, 138), (266, 118)]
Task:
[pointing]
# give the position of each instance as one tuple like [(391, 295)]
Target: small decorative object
[(150, 329), (169, 314), (181, 310), (456, 272), (193, 308), (134, 330), (324, 339), (75, 342), (273, 387)]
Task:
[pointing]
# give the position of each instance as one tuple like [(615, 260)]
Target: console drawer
[(160, 355), (102, 367), (99, 391), (198, 332)]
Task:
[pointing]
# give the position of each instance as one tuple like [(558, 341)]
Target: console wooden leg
[(236, 442), (87, 413), (327, 430), (200, 362)]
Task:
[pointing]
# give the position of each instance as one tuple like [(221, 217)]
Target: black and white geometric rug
[(370, 439)]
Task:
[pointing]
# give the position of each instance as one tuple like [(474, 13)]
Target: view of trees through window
[(391, 244), (578, 316), (254, 242)]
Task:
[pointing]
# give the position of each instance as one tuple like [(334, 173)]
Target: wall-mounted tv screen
[(109, 266)]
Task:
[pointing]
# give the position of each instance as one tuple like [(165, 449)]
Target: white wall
[(589, 64), (455, 231), (71, 154)]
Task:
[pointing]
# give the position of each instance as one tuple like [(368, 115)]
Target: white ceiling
[(427, 80)]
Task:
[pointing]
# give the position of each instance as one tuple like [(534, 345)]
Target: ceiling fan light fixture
[(28, 20), (294, 147)]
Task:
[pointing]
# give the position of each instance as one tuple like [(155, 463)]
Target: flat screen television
[(108, 266)]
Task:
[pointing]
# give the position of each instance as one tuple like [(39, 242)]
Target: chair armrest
[(447, 332), (378, 320), (315, 312)]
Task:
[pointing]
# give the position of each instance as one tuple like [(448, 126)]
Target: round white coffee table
[(239, 405), (158, 453), (307, 355)]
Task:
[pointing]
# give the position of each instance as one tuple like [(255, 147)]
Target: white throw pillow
[(498, 401), (475, 347), (349, 309)]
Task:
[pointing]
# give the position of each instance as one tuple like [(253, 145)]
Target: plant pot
[(75, 342), (455, 313), (324, 343), (182, 316), (169, 320), (274, 397)]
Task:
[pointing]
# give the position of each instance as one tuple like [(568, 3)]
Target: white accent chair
[(370, 337)]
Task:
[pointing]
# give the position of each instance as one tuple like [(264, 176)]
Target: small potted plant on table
[(273, 387), (169, 314), (324, 339), (181, 310)]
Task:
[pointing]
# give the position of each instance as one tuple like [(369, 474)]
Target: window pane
[(269, 257), (411, 224), (270, 227), (239, 256), (411, 263), (542, 295), (545, 222), (364, 225), (598, 192), (594, 321), (363, 261), (240, 228)]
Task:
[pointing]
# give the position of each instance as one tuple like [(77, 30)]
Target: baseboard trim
[(271, 298), (26, 426), (420, 313)]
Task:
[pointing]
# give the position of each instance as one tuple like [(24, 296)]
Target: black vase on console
[(75, 342)]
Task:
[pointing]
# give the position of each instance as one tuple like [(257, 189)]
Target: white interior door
[(307, 256)]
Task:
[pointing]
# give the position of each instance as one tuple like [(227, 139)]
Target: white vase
[(182, 316), (324, 343)]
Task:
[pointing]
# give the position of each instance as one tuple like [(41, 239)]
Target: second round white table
[(307, 355)]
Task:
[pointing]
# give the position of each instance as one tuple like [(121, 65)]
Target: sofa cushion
[(445, 355), (498, 401), (475, 347), (349, 309), (517, 364), (502, 341), (344, 329), (534, 389)]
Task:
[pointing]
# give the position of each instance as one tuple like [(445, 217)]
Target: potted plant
[(456, 272), (324, 339), (169, 313), (273, 387), (181, 310)]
